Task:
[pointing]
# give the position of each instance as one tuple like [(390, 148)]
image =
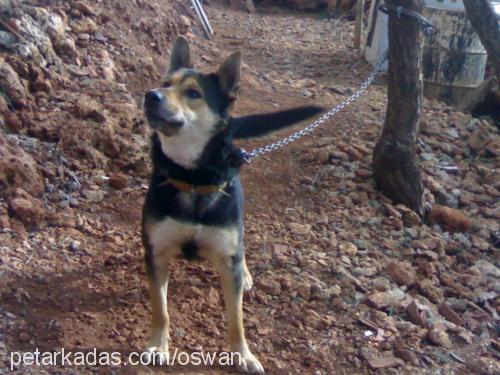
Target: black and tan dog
[(194, 206)]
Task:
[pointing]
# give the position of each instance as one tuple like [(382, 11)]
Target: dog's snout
[(154, 97)]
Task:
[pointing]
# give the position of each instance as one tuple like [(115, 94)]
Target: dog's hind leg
[(158, 284), (232, 280)]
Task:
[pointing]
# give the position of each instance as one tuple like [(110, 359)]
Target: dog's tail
[(257, 125)]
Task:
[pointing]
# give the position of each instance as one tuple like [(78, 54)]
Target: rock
[(83, 39), (438, 336), (118, 181), (300, 229), (269, 286), (451, 219), (416, 315), (384, 362), (381, 284), (87, 108), (463, 240), (451, 315), (487, 269), (429, 290), (213, 297), (11, 85), (84, 26), (304, 291), (410, 217), (406, 355), (108, 66), (401, 273), (18, 170), (348, 248), (185, 21), (478, 139), (85, 8), (395, 298), (94, 196), (74, 245), (28, 210)]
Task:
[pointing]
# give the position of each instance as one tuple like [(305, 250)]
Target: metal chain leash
[(321, 120)]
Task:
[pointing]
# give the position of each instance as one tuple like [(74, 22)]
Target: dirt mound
[(68, 77)]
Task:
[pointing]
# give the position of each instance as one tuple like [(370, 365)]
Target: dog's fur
[(192, 143)]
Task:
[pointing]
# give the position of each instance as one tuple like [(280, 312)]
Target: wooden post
[(395, 165), (358, 27)]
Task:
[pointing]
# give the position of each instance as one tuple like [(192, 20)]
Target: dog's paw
[(247, 281), (250, 364), (157, 356)]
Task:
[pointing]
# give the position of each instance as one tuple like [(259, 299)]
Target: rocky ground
[(345, 282)]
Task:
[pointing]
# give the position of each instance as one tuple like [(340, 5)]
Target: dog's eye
[(193, 94), (166, 84)]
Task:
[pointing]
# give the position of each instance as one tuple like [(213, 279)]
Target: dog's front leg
[(158, 285), (231, 274)]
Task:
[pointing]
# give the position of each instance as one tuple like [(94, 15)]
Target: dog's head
[(191, 101)]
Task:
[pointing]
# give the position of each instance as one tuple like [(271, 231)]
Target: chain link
[(325, 117)]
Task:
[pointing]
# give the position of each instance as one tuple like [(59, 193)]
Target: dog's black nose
[(154, 97)]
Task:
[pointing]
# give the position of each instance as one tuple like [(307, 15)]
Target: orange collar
[(195, 189)]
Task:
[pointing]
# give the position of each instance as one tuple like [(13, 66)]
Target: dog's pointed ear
[(180, 55), (229, 75)]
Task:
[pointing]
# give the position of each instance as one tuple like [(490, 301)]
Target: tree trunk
[(395, 165), (484, 20)]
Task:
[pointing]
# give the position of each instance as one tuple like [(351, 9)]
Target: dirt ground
[(342, 277)]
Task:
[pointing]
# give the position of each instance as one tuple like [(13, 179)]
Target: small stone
[(427, 156), (401, 273), (406, 355), (85, 8), (463, 240), (118, 181), (94, 196), (84, 26), (451, 219), (304, 291), (213, 297), (394, 298), (438, 336), (478, 140), (75, 245), (300, 229), (381, 284), (334, 291), (185, 20), (348, 248), (451, 315), (83, 39), (30, 211), (430, 291), (384, 362), (269, 286)]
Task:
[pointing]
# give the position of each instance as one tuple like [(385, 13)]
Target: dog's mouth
[(168, 125)]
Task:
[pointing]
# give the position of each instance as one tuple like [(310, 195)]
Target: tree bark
[(484, 20), (395, 165)]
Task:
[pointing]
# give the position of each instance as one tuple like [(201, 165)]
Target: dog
[(194, 204)]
